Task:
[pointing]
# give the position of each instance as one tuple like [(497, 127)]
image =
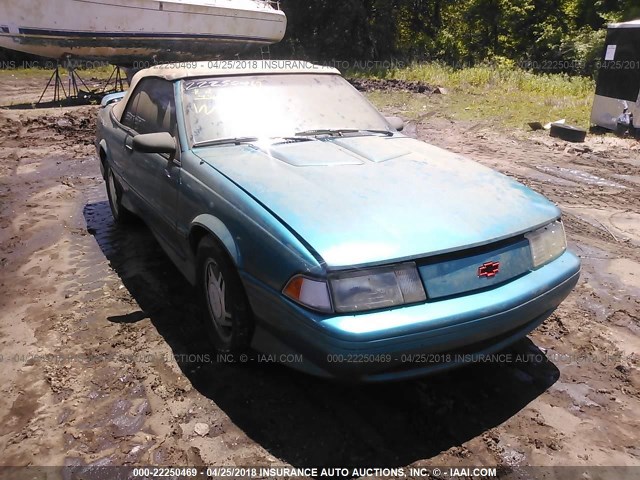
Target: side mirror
[(396, 122), (154, 143)]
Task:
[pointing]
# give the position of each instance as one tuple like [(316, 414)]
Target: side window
[(152, 109), (129, 115)]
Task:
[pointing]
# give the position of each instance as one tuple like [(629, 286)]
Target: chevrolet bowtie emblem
[(489, 270)]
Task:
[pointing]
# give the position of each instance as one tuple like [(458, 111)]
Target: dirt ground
[(102, 362)]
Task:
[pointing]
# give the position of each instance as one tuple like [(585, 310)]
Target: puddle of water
[(546, 178), (579, 176)]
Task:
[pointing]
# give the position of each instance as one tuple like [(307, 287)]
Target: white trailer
[(617, 96)]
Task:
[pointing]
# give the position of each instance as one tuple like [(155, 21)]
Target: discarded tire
[(568, 132)]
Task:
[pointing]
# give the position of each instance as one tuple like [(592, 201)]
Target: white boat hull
[(138, 32)]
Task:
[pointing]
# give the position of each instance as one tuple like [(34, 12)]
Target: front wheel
[(227, 316), (120, 214)]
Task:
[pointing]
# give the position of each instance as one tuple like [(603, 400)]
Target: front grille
[(473, 270)]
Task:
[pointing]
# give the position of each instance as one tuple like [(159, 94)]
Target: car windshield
[(268, 106)]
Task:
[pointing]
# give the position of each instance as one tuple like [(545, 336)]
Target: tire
[(227, 317), (568, 132), (120, 214)]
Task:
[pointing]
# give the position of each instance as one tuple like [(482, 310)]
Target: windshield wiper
[(297, 138), (226, 141), (327, 131), (381, 132), (339, 132)]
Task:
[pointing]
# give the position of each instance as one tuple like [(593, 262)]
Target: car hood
[(370, 199)]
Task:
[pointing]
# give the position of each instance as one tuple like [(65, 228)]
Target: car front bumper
[(410, 341)]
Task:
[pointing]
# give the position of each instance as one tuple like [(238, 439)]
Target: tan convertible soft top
[(221, 68)]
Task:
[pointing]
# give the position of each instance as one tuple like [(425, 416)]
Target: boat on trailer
[(139, 33)]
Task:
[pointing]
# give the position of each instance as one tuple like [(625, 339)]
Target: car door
[(128, 166), (155, 178), (120, 157)]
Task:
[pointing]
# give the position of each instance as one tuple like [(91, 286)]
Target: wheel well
[(103, 159), (196, 236)]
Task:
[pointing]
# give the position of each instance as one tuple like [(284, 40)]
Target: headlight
[(358, 291), (547, 243), (376, 288)]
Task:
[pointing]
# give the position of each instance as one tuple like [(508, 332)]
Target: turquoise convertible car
[(317, 233)]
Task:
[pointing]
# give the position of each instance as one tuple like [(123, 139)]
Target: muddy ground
[(101, 358)]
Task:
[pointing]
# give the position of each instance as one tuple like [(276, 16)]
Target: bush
[(584, 49)]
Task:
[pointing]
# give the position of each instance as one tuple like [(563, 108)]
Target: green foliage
[(541, 35), (585, 47), (504, 96)]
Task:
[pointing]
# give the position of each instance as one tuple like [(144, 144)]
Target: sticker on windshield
[(204, 108), (220, 83)]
